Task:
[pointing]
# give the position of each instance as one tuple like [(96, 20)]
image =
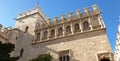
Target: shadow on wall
[(22, 41)]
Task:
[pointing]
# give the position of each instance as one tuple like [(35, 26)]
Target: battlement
[(78, 24), (31, 12), (79, 14), (65, 19)]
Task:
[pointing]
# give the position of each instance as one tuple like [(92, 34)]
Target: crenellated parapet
[(71, 17), (70, 25), (31, 12)]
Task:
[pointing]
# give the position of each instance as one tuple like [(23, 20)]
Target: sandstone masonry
[(77, 38)]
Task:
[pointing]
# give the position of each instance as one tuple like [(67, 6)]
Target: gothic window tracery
[(45, 34), (60, 31), (64, 56), (52, 32), (68, 29), (76, 26), (85, 25), (95, 21)]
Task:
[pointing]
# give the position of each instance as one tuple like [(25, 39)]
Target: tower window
[(60, 31), (52, 32), (68, 29), (26, 29), (86, 25), (45, 34), (76, 26)]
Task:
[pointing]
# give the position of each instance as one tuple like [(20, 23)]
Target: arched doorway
[(105, 59)]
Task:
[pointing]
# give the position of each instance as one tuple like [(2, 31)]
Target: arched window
[(86, 25), (64, 56), (21, 52), (52, 32), (105, 59), (76, 26), (60, 31), (26, 29), (68, 29), (38, 36), (45, 34)]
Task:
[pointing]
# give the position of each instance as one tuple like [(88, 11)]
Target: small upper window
[(45, 34), (86, 25), (60, 31), (26, 29), (52, 32), (76, 26), (68, 29)]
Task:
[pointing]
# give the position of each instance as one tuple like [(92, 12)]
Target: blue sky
[(9, 9)]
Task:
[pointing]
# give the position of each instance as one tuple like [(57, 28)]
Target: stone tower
[(27, 21), (117, 47), (80, 37)]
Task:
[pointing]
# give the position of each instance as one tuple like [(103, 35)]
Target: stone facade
[(117, 47), (77, 38)]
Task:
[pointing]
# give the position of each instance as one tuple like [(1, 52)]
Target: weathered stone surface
[(88, 43)]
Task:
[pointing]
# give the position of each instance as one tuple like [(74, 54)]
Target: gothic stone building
[(80, 37)]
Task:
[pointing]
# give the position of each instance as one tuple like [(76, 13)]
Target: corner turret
[(28, 20)]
